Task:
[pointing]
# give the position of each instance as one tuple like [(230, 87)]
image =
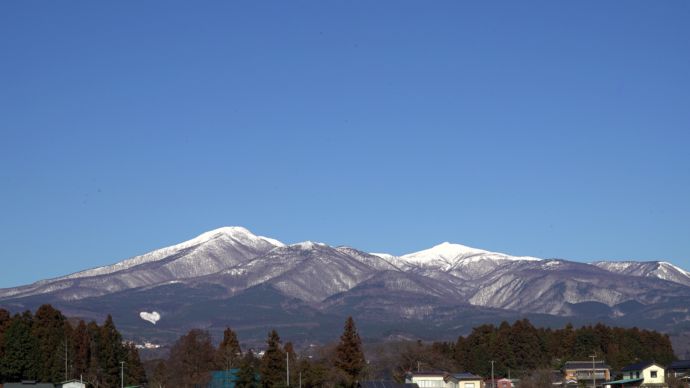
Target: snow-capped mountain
[(232, 276), (459, 260), (208, 253), (653, 269)]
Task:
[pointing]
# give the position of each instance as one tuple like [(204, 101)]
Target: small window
[(653, 374)]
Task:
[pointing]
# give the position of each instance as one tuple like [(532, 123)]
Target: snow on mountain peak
[(447, 256), (445, 252), (307, 245), (681, 270), (448, 249), (238, 233)]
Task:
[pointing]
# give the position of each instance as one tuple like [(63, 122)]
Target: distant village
[(575, 374)]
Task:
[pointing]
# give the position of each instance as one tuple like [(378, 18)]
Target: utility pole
[(594, 373), (66, 376), (300, 379), (287, 363), (493, 383), (122, 374)]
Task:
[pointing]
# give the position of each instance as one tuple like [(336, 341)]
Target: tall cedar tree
[(247, 375), (49, 331), (111, 353), (315, 373), (5, 319), (134, 372), (229, 352), (192, 359), (272, 368), (19, 361), (94, 373), (349, 356), (160, 375), (81, 349)]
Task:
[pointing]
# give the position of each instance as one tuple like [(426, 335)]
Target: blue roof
[(466, 376), (638, 366), (624, 381), (680, 364), (385, 384)]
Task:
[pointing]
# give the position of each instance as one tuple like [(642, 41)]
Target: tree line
[(193, 357), (46, 347), (520, 349)]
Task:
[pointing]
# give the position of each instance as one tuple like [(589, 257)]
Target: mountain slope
[(459, 260), (206, 254), (652, 269), (231, 276)]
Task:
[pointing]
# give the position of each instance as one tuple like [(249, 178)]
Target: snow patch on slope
[(385, 256), (152, 317)]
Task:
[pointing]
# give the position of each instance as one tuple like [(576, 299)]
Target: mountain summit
[(230, 276)]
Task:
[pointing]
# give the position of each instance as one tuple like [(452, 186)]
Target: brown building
[(586, 371)]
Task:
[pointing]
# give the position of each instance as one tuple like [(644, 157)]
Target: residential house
[(28, 384), (464, 380), (71, 384), (499, 382), (439, 379), (428, 379), (384, 384), (679, 369), (575, 372), (643, 375), (504, 383)]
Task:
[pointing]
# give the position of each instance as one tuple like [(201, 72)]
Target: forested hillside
[(47, 347), (521, 348)]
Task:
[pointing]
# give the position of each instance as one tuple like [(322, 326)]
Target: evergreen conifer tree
[(273, 363), (160, 375), (134, 371), (111, 353), (5, 319), (95, 372), (349, 356), (81, 349), (49, 331), (19, 361), (229, 352), (246, 376), (192, 359)]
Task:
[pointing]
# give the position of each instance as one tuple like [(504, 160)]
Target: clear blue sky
[(554, 129)]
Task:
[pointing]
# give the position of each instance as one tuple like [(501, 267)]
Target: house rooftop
[(625, 381), (28, 383), (680, 364), (466, 376), (585, 365), (385, 384), (638, 366), (429, 373)]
